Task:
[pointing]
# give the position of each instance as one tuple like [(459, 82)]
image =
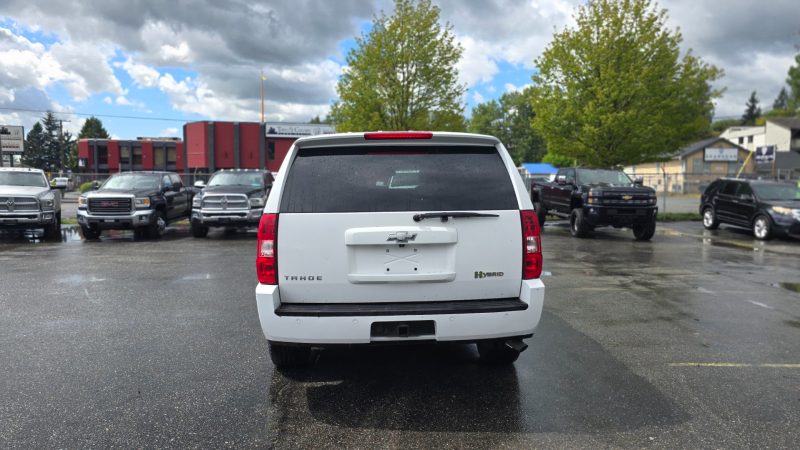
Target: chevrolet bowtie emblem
[(626, 197), (402, 236)]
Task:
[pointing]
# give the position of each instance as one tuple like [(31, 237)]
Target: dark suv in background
[(768, 208)]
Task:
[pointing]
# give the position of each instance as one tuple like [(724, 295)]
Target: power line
[(96, 115)]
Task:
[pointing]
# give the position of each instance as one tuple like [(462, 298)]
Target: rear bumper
[(454, 326)]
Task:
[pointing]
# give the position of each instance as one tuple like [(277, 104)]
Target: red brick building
[(206, 147)]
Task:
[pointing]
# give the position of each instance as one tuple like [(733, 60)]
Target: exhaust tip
[(519, 346)]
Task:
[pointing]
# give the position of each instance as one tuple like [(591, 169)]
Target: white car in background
[(63, 183), (378, 238)]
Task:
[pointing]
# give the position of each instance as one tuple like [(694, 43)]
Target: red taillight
[(409, 135), (531, 246), (267, 256)]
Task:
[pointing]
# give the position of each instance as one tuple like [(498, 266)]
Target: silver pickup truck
[(27, 201)]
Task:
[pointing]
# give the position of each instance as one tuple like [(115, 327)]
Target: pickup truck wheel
[(577, 224), (158, 227), (644, 232), (496, 353), (762, 228), (288, 355), (54, 230), (90, 233), (541, 213), (710, 219), (199, 232)]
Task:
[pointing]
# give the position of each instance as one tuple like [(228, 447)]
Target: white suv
[(376, 238)]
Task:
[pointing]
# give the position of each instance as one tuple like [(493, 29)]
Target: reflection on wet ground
[(72, 234)]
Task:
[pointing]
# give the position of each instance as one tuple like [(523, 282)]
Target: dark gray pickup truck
[(592, 198)]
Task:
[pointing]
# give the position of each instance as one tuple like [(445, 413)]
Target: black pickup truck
[(141, 201), (592, 198)]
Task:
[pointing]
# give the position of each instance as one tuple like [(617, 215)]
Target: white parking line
[(761, 304)]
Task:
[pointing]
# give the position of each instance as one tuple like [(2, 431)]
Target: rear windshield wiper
[(445, 215)]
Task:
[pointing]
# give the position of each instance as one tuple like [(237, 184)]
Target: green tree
[(752, 111), (557, 160), (794, 87), (315, 120), (91, 129), (781, 99), (509, 119), (402, 75), (719, 126), (34, 147), (614, 91)]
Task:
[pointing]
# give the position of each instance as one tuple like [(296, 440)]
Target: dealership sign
[(12, 138), (765, 154), (721, 154), (294, 130)]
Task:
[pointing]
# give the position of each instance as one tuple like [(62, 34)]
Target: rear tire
[(496, 353), (198, 231), (158, 227), (90, 233), (710, 221), (577, 224), (286, 356), (762, 228), (541, 213), (644, 232)]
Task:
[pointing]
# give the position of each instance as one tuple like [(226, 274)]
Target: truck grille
[(226, 202), (110, 206), (625, 198), (11, 204)]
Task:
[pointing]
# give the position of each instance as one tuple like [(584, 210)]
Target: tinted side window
[(176, 180), (713, 187), (570, 174), (729, 189), (397, 178), (166, 181), (744, 189)]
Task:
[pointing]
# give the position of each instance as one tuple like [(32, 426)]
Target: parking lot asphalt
[(674, 343)]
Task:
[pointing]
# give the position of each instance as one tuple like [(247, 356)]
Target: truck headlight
[(48, 204), (47, 200), (256, 202), (82, 201), (142, 203), (196, 201)]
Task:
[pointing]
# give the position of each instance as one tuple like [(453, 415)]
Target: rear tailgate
[(347, 234)]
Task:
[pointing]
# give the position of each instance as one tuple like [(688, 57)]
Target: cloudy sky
[(176, 61)]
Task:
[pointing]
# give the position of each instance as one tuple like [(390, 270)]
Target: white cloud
[(511, 88), (478, 97), (142, 75), (108, 100), (491, 88), (169, 132), (122, 101)]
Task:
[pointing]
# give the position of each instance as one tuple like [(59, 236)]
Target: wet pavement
[(129, 342)]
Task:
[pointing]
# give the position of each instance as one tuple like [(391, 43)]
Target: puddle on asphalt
[(197, 276), (792, 323), (724, 244), (69, 233), (794, 287)]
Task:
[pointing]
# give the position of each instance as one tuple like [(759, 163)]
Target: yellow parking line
[(791, 366)]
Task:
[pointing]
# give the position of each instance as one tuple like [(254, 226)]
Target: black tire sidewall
[(152, 230), (577, 224), (714, 223), (768, 235), (541, 214)]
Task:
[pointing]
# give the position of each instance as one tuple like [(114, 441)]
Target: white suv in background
[(375, 238)]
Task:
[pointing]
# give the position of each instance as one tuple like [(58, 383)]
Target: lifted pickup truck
[(232, 198), (592, 198), (141, 201)]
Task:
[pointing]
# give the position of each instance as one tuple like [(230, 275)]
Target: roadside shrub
[(85, 187)]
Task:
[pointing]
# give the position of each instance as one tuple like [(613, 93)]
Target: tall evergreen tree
[(794, 87), (91, 129), (34, 147), (780, 101), (752, 112)]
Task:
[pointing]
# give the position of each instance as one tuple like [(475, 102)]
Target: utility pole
[(61, 144)]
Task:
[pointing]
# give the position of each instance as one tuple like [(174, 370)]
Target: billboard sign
[(297, 130), (721, 154), (12, 138), (765, 154)]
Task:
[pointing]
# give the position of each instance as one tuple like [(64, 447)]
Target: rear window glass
[(402, 178)]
